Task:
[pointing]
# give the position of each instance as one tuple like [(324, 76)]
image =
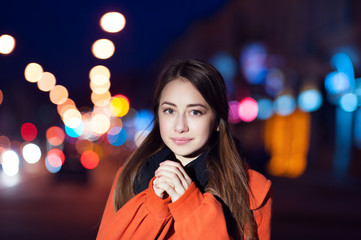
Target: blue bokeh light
[(144, 120), (253, 62), (75, 132), (116, 136), (310, 100), (284, 105), (349, 102), (337, 82), (265, 108)]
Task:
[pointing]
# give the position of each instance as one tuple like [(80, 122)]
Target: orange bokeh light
[(55, 135), (89, 159), (112, 22), (1, 96), (103, 48), (46, 82), (7, 44), (33, 72), (58, 95), (61, 108), (99, 74), (101, 100)]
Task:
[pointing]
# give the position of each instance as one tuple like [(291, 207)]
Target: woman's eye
[(168, 111), (196, 113)]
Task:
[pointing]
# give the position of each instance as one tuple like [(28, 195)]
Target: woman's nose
[(181, 124)]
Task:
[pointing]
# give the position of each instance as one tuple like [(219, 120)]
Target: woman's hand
[(171, 179)]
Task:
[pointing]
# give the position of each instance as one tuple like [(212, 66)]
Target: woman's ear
[(218, 128)]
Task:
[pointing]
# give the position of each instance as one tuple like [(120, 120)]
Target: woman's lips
[(181, 141)]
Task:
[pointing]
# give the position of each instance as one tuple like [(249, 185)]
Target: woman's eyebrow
[(197, 105), (188, 105), (168, 103)]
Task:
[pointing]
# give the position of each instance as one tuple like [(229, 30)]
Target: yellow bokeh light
[(103, 48), (7, 44), (99, 74), (33, 72), (1, 97), (112, 22), (100, 123), (101, 100), (100, 89), (72, 118), (46, 82), (58, 95), (119, 106)]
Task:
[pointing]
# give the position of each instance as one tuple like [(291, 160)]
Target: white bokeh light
[(10, 162), (31, 153)]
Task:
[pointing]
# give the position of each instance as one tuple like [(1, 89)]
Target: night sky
[(59, 34)]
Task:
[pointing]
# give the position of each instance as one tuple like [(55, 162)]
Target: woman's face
[(186, 121)]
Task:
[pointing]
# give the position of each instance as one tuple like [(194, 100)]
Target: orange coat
[(193, 216)]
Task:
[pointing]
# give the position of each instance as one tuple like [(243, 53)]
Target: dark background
[(59, 34)]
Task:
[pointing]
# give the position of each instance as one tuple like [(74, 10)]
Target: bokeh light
[(336, 82), (253, 63), (89, 159), (72, 118), (103, 48), (101, 100), (144, 120), (100, 123), (284, 105), (233, 115), (99, 74), (100, 88), (76, 131), (248, 109), (265, 108), (349, 102), (119, 105), (68, 104), (112, 22), (31, 153), (55, 136), (51, 168), (46, 82), (310, 100), (274, 83), (33, 72), (55, 157), (28, 132), (10, 162), (116, 136), (7, 44), (1, 97), (58, 95)]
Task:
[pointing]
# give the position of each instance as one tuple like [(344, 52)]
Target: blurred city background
[(76, 83)]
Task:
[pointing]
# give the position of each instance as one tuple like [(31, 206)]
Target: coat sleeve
[(145, 216), (198, 216), (261, 203)]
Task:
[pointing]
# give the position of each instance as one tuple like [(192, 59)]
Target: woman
[(187, 179)]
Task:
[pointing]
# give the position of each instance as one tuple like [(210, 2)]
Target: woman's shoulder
[(260, 188)]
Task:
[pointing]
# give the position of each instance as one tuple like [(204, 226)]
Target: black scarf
[(196, 170)]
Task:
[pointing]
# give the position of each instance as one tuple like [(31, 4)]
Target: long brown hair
[(227, 175)]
